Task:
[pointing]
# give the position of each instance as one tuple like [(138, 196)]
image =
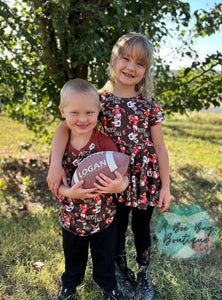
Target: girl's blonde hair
[(125, 45), (78, 85)]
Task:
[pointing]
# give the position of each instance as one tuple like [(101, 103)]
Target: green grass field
[(30, 232)]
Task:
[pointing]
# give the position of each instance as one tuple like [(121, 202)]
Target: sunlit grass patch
[(30, 232)]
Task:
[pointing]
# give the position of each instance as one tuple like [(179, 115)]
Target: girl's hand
[(56, 176), (77, 192), (109, 186), (164, 199)]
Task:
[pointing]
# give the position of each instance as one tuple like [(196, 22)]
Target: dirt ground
[(24, 186)]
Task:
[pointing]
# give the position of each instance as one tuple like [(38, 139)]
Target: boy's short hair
[(80, 86)]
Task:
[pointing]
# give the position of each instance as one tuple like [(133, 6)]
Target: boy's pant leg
[(103, 246), (76, 255)]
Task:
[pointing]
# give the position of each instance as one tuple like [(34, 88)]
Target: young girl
[(133, 120)]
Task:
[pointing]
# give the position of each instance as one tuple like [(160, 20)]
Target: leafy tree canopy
[(46, 42)]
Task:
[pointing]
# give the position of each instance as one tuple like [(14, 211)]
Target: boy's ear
[(62, 112)]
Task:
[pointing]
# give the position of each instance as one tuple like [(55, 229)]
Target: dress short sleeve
[(156, 116)]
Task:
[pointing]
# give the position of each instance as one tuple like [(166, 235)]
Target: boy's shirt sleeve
[(107, 144)]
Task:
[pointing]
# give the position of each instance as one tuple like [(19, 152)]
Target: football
[(106, 162)]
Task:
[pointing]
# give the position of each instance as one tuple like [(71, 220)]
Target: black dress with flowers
[(127, 121)]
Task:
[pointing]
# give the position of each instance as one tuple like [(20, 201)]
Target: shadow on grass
[(187, 279), (24, 181), (27, 237), (193, 187), (186, 132)]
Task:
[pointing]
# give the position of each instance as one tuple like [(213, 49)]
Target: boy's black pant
[(141, 230), (102, 245)]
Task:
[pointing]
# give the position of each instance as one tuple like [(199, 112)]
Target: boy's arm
[(56, 173), (77, 192), (109, 186), (163, 160)]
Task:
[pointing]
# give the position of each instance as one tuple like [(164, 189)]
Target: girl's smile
[(128, 75), (129, 71)]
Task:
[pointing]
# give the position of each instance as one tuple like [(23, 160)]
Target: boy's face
[(81, 112)]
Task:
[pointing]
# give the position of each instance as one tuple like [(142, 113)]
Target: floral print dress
[(127, 121)]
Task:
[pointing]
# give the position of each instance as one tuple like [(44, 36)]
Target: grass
[(30, 232)]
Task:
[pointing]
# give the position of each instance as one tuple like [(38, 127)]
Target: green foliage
[(193, 88), (45, 43)]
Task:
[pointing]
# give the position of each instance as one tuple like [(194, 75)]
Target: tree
[(46, 42)]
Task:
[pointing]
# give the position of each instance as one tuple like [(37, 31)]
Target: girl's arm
[(162, 155), (56, 173)]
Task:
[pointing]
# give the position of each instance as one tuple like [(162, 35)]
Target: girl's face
[(81, 112), (129, 68)]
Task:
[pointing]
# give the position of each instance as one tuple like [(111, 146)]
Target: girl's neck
[(124, 93)]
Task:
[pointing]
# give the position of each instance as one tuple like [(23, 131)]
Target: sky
[(207, 44), (203, 45)]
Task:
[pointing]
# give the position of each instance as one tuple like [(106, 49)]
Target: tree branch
[(48, 35), (201, 74), (191, 80)]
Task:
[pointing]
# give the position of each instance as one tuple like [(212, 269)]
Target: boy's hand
[(56, 176), (77, 192), (109, 186), (164, 199)]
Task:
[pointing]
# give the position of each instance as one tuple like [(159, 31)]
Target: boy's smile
[(81, 112)]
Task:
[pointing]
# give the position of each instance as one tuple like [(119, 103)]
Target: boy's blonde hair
[(126, 44), (80, 86)]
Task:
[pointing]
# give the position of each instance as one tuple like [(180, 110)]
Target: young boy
[(88, 215)]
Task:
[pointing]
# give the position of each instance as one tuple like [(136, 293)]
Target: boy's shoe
[(113, 295), (144, 284), (125, 280), (67, 294)]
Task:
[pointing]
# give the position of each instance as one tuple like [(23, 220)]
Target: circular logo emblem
[(185, 232)]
